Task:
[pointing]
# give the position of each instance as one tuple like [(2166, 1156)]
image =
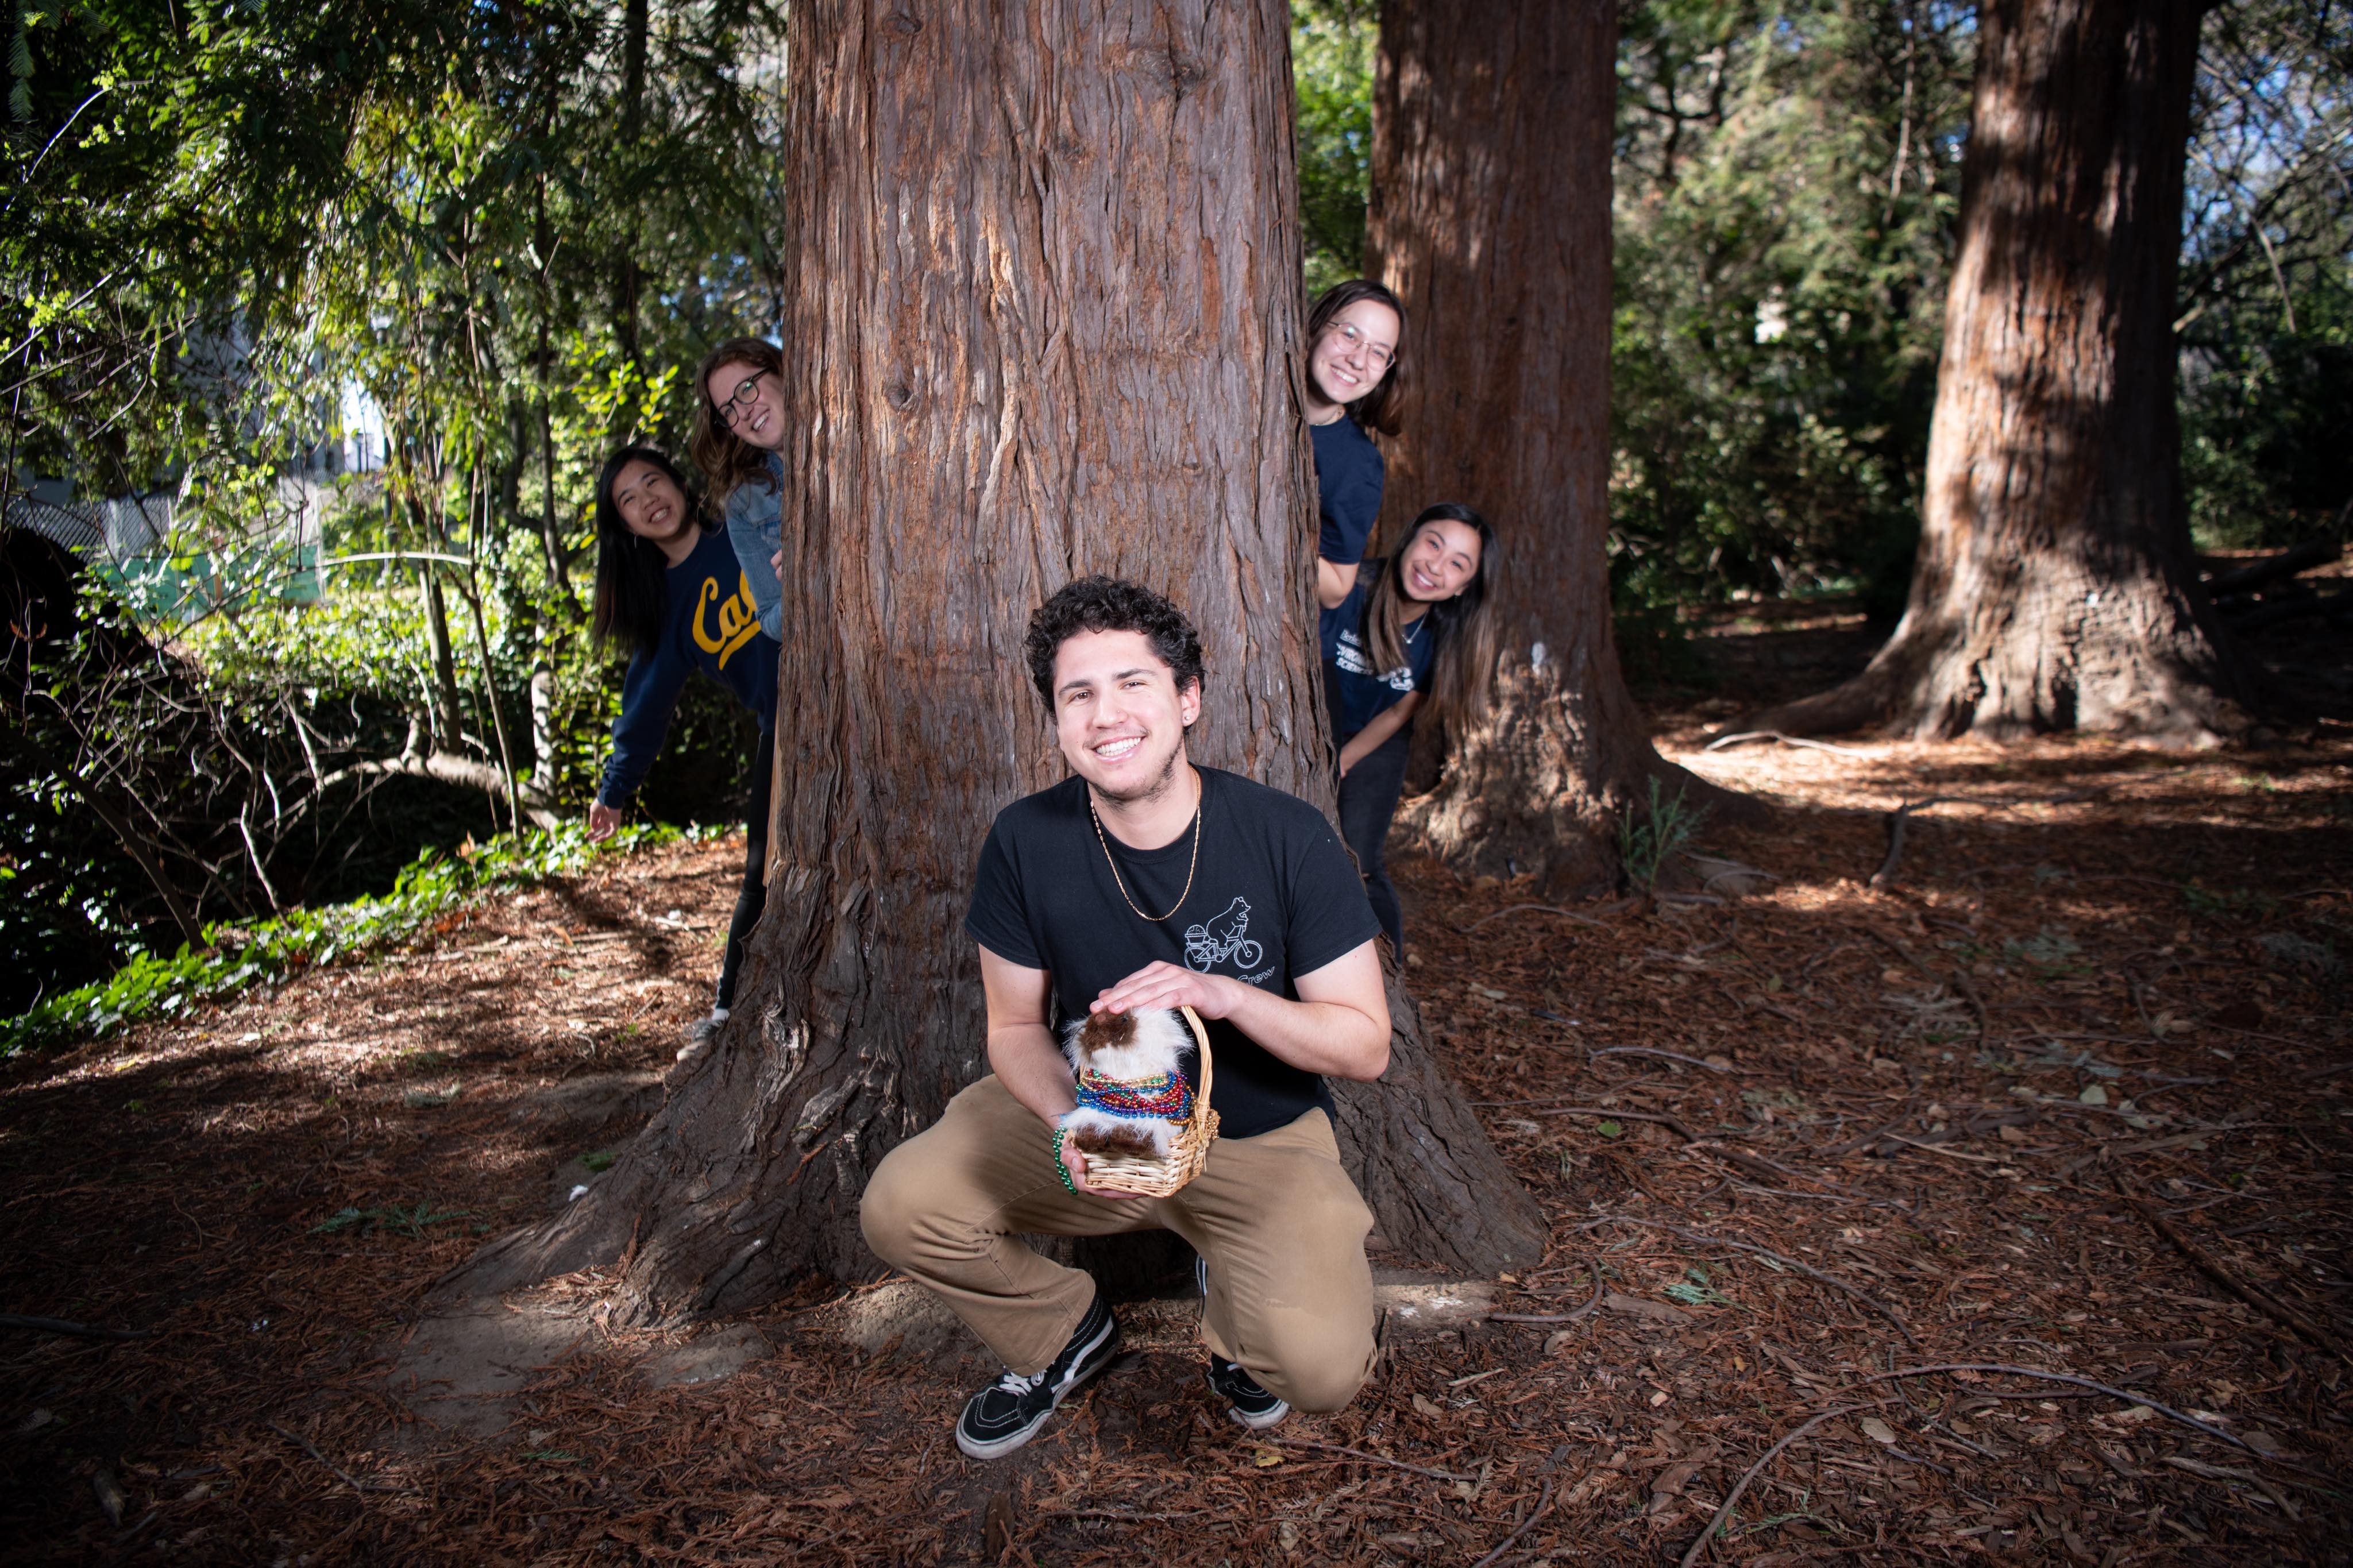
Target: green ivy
[(258, 952)]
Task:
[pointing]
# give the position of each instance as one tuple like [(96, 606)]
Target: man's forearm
[(1326, 1037), (1032, 1070)]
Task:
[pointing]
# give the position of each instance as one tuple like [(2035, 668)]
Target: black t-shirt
[(1355, 691), (1348, 476), (1274, 898)]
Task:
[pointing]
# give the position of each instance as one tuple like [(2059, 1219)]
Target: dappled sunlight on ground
[(2097, 977)]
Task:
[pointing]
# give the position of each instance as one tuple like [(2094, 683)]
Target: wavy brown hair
[(1111, 604), (726, 459), (1377, 409), (1462, 656)]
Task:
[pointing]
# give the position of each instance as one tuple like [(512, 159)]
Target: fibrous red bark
[(1492, 141), (2054, 587), (1043, 321)]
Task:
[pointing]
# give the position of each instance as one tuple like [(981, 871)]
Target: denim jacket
[(755, 527)]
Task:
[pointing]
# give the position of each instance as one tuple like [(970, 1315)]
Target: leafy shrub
[(236, 956)]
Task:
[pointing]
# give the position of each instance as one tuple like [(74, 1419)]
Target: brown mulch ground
[(2100, 975)]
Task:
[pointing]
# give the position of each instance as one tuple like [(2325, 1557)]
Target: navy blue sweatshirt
[(709, 623)]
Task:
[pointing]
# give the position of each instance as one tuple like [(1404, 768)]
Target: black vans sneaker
[(1008, 1412), (1246, 1402)]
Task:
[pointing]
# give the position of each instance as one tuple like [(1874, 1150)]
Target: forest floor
[(2049, 1111)]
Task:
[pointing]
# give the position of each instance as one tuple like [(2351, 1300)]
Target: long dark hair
[(1377, 409), (727, 459), (630, 592), (1462, 652)]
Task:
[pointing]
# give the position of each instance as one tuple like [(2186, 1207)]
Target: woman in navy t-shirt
[(671, 591), (1416, 625), (1352, 383)]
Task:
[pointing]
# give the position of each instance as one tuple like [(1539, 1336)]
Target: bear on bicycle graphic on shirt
[(1222, 937)]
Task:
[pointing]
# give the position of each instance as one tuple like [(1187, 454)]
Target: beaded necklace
[(1164, 1095)]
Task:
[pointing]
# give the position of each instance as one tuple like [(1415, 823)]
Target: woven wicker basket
[(1187, 1152)]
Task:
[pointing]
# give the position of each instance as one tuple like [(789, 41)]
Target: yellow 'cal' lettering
[(739, 619)]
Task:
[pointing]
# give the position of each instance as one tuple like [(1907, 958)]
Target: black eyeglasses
[(747, 393)]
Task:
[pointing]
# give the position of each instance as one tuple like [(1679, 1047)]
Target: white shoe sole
[(1091, 1360), (1273, 1417)]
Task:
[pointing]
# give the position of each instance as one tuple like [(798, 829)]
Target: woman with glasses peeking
[(739, 425), (672, 592), (1351, 383)]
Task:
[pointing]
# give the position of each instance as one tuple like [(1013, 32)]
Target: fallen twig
[(1671, 1056), (69, 1331), (2272, 614), (1935, 1149), (1127, 1515), (1914, 1458), (2109, 1389), (2253, 1295), (1546, 909), (1884, 878), (1839, 1151), (1505, 1545), (1585, 1311), (1976, 1004), (1759, 1165), (1368, 1458), (312, 1448), (1721, 742), (2288, 564), (1941, 1427), (1895, 945), (1659, 1117), (1724, 1510), (1833, 1280)]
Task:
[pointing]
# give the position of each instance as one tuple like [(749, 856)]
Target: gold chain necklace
[(1189, 869)]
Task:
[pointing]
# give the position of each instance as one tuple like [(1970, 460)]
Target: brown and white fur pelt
[(1130, 1046)]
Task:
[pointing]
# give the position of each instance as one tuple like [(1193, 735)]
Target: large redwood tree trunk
[(1043, 321), (2054, 588), (1492, 141)]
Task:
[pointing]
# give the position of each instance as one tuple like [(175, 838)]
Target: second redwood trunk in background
[(1492, 144)]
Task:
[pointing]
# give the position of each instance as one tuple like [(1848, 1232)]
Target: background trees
[(218, 220), (1787, 192), (352, 288), (2054, 587)]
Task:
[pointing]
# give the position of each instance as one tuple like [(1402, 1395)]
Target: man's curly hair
[(1111, 604)]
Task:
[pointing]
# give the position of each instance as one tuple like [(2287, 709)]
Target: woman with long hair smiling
[(739, 427), (1352, 386), (1413, 630), (672, 592)]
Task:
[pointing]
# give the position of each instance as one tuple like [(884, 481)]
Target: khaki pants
[(1277, 1218)]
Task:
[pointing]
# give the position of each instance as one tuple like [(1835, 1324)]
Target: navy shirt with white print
[(1355, 691)]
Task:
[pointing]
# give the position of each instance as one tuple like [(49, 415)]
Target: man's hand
[(1170, 985), (1075, 1162), (602, 821)]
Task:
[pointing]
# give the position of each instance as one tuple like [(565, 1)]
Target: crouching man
[(1146, 881)]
